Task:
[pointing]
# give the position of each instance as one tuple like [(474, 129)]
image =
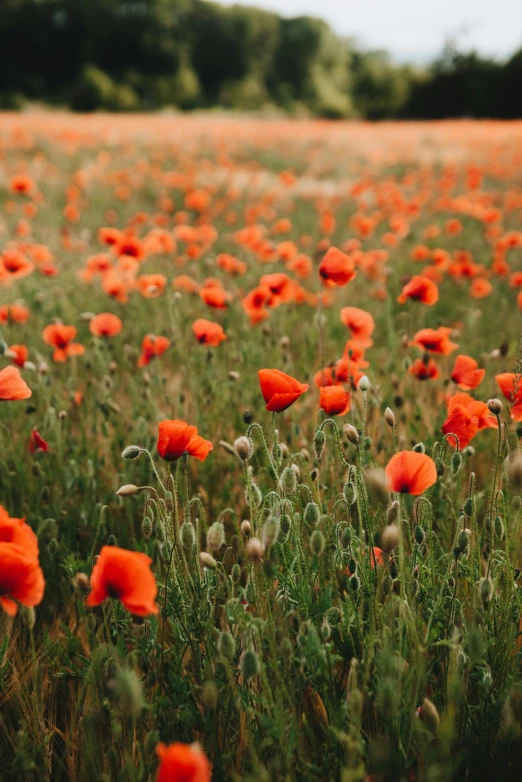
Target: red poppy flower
[(480, 288), (334, 400), (424, 369), (152, 347), (182, 763), (466, 373), (126, 576), (208, 333), (410, 472), (279, 390), (37, 442), (151, 285), (18, 533), (461, 423), (105, 325), (12, 386), (215, 297), (18, 354), (61, 338), (255, 303), (337, 268), (21, 578), (15, 313), (361, 324), (511, 387), (480, 410), (177, 437), (421, 289), (434, 340)]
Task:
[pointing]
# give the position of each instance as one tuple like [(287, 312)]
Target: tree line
[(126, 55)]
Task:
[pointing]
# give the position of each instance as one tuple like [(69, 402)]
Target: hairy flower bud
[(351, 433), (226, 645), (311, 514), (216, 536), (289, 481), (390, 537), (456, 462), (430, 715), (207, 560), (319, 441), (364, 383), (270, 531), (389, 417), (128, 490), (131, 452), (146, 527), (317, 542), (243, 447), (486, 591), (81, 582), (249, 664), (255, 549), (246, 527), (188, 535), (495, 406), (349, 493)]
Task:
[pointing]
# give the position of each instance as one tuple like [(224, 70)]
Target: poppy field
[(261, 449)]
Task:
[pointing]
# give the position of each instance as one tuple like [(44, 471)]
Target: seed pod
[(131, 452), (270, 531), (289, 481), (188, 535), (317, 542), (499, 528), (468, 507), (249, 664), (319, 441), (146, 527), (350, 493), (311, 514), (226, 645), (456, 462), (216, 536)]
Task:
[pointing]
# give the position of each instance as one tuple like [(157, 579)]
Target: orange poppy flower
[(105, 325), (208, 333), (461, 423), (215, 297), (485, 419), (61, 338), (15, 313), (177, 437), (511, 387), (151, 285), (424, 369), (466, 373), (231, 264), (18, 354), (334, 400), (480, 288), (421, 289), (409, 472), (182, 763), (185, 283), (434, 341), (361, 324), (255, 303), (12, 386), (23, 184), (337, 268), (18, 533), (279, 389), (152, 347), (21, 578), (125, 576)]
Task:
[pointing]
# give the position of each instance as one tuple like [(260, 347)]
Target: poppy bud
[(354, 584), (346, 537), (463, 540), (209, 695), (389, 417), (207, 560), (319, 441), (81, 582), (243, 448), (317, 542), (235, 572), (234, 376), (283, 450), (419, 448), (216, 536), (311, 514), (495, 406), (226, 645), (289, 481), (430, 715), (255, 549), (305, 454), (188, 535), (131, 452), (249, 664), (126, 686), (393, 511), (364, 384), (270, 531), (326, 630), (351, 433), (246, 527), (390, 537), (419, 535), (456, 462), (127, 490), (486, 591), (499, 528), (314, 475), (250, 594), (468, 506), (146, 527), (284, 342), (43, 368), (285, 524), (248, 417)]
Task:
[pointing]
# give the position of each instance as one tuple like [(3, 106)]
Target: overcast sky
[(414, 29)]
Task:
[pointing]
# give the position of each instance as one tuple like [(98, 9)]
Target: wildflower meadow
[(261, 449)]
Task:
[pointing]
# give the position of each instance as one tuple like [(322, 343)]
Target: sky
[(414, 30)]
